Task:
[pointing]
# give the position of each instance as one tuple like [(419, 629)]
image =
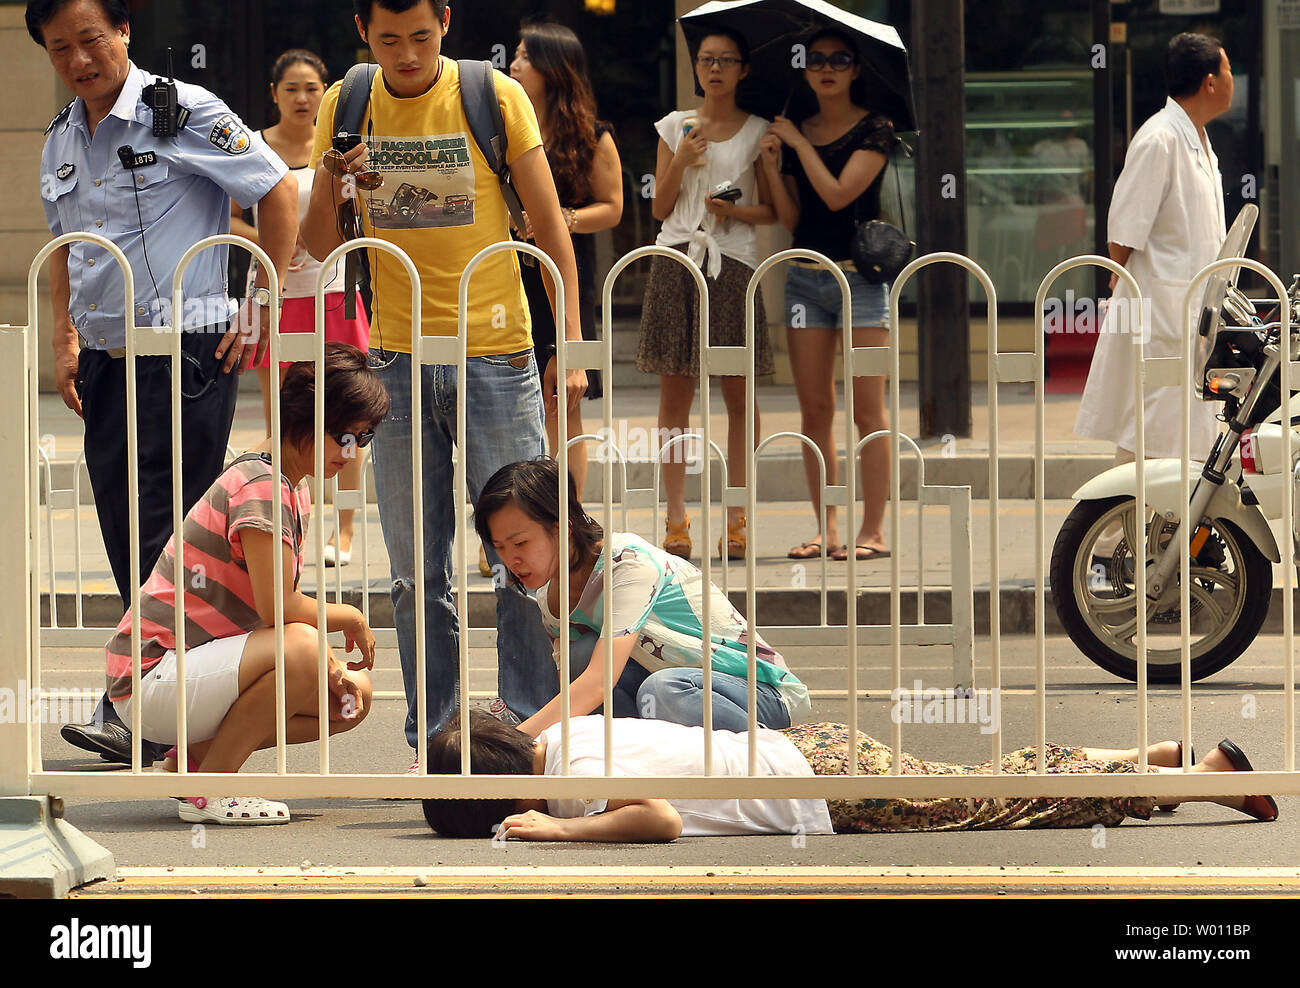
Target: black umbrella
[(773, 28)]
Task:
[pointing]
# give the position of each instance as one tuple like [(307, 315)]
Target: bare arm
[(237, 225), (536, 188), (759, 214), (669, 169), (1120, 255), (63, 335), (606, 208), (837, 191), (624, 821), (782, 188), (587, 692), (259, 557)]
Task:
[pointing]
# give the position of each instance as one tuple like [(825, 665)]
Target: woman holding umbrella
[(826, 175), (709, 196)]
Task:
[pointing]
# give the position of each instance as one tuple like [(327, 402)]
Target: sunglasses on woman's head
[(336, 165), (359, 439), (839, 61)]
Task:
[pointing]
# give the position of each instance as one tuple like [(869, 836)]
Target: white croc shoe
[(247, 811)]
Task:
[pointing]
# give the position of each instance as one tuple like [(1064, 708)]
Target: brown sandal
[(677, 541), (736, 542)]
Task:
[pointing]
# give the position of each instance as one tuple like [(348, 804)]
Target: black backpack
[(478, 93)]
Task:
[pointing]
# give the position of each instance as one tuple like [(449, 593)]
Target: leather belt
[(804, 263)]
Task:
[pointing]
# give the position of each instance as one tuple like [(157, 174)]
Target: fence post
[(41, 856), (15, 576)]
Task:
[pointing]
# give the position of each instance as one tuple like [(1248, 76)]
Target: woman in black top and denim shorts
[(826, 175)]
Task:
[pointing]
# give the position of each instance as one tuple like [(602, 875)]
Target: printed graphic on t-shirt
[(428, 182)]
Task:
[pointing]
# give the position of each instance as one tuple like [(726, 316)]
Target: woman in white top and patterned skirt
[(700, 151), (298, 82)]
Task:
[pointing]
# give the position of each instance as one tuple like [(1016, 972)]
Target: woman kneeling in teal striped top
[(657, 636)]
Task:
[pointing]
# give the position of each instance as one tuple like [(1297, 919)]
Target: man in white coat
[(1165, 223)]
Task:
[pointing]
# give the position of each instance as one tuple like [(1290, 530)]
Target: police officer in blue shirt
[(154, 188)]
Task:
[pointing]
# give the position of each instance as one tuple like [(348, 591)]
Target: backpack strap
[(478, 95), (354, 97), (349, 112)]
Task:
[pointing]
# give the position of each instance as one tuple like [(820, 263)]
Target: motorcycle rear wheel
[(1231, 583)]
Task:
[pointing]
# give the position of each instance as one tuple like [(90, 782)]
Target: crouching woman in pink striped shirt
[(229, 584)]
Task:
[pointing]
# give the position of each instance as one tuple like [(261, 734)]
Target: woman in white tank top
[(298, 82)]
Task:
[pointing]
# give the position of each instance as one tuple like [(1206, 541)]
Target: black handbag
[(881, 250)]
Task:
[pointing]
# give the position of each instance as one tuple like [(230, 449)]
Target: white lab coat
[(1168, 206)]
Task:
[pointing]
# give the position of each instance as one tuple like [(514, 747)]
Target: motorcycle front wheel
[(1093, 590)]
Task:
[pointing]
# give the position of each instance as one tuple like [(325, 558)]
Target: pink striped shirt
[(218, 592)]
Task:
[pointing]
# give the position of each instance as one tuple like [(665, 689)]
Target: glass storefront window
[(1029, 178)]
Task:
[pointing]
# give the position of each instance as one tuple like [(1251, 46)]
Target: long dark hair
[(558, 56), (533, 486)]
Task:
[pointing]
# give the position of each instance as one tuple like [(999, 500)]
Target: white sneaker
[(333, 557)]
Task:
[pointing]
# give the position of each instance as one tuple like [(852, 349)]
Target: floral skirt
[(670, 339), (824, 747)]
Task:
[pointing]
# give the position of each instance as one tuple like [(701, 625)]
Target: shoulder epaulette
[(61, 115)]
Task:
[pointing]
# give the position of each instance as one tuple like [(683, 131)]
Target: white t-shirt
[(709, 237), (659, 748)]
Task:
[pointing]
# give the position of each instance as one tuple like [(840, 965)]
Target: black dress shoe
[(110, 741)]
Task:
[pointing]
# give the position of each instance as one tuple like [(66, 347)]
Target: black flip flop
[(1263, 808)]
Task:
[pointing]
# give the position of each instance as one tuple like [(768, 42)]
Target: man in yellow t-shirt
[(441, 203)]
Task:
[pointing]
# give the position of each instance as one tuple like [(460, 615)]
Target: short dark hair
[(533, 486), (495, 748), (353, 394), (41, 12), (365, 8), (1188, 60)]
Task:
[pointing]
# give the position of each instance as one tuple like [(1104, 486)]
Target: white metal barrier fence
[(21, 769)]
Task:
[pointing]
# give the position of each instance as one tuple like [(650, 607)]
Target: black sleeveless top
[(819, 228)]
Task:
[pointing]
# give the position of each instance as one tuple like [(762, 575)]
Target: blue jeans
[(677, 694), (504, 404)]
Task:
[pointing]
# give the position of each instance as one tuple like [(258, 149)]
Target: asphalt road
[(1084, 705)]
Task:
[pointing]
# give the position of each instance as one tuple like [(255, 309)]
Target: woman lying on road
[(229, 582), (644, 748), (657, 634)]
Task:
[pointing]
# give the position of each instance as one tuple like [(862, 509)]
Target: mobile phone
[(343, 143), (728, 195)]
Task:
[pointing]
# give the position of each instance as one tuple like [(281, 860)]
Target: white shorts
[(211, 689)]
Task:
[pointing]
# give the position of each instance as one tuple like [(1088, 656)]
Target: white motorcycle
[(1236, 492)]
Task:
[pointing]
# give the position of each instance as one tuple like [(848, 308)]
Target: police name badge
[(230, 136)]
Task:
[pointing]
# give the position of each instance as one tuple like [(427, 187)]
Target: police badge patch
[(230, 136)]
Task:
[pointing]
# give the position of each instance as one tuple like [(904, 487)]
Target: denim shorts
[(813, 300)]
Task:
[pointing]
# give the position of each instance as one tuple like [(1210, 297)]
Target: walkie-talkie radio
[(162, 100)]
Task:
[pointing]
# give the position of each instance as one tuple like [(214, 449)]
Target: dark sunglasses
[(839, 61), (358, 439)]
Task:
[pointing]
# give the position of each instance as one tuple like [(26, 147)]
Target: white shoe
[(333, 557), (242, 810)]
